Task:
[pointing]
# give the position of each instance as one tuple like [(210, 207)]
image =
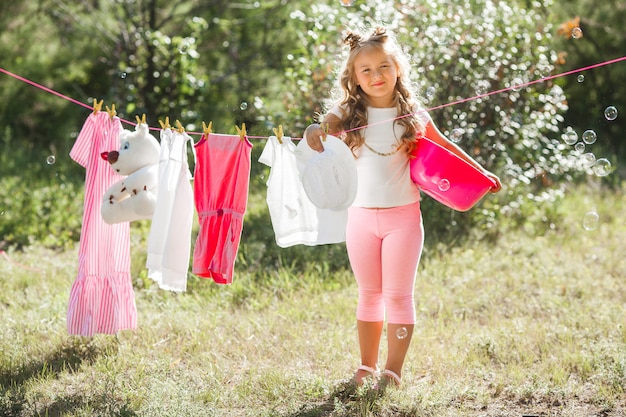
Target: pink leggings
[(384, 247)]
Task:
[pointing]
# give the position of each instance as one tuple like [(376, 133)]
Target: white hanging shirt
[(169, 242), (295, 220)]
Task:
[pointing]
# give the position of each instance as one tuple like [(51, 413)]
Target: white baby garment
[(169, 242), (294, 217)]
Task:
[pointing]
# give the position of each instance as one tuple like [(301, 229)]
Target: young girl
[(378, 117)]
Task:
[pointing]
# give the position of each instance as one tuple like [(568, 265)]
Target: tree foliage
[(462, 52), (601, 38), (273, 62)]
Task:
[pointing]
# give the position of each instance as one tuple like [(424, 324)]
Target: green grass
[(527, 325)]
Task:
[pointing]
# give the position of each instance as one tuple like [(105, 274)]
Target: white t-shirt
[(295, 219), (383, 181)]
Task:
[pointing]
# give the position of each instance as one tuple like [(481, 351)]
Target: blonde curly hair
[(351, 99)]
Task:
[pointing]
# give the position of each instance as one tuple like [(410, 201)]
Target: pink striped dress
[(102, 299)]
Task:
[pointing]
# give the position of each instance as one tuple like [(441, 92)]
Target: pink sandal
[(372, 371), (391, 376)]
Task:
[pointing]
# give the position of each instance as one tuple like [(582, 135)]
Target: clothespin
[(241, 132), (165, 125), (111, 111), (142, 120), (179, 127), (325, 129), (97, 106), (279, 133), (206, 131)]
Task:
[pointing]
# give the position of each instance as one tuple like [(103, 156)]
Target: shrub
[(39, 210), (41, 198), (473, 60)]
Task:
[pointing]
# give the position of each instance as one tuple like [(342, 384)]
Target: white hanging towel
[(295, 220), (169, 242)]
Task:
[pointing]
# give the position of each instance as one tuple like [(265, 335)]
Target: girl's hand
[(314, 134), (496, 180)]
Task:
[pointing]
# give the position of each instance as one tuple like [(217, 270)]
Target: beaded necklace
[(381, 153)]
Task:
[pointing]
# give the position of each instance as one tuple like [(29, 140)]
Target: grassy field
[(525, 326)]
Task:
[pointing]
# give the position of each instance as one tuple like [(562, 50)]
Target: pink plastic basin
[(447, 178)]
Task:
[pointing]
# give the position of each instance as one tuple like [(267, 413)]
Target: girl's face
[(376, 73)]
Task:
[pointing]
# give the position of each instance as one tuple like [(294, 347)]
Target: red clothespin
[(279, 133)]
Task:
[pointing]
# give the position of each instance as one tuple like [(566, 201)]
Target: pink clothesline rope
[(6, 256), (453, 103), (44, 88), (516, 87)]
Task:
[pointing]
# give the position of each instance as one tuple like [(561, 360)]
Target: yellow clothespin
[(206, 130), (279, 133), (142, 120), (97, 106), (179, 127), (325, 129), (241, 132), (165, 125), (111, 111)]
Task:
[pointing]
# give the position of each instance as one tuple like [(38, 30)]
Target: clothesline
[(453, 103), (6, 256)]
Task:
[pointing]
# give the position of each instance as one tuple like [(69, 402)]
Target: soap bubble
[(580, 78), (430, 92), (577, 33), (402, 333), (570, 136), (591, 220), (588, 160), (482, 87), (516, 84), (589, 137), (544, 69), (347, 3), (610, 113), (456, 135), (243, 105), (579, 147), (51, 159), (602, 168), (443, 184)]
